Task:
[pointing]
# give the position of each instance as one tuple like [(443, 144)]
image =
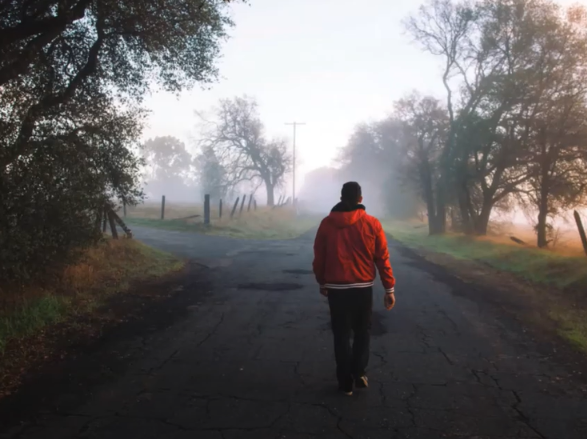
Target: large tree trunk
[(542, 216), (463, 199), (438, 221), (482, 222), (426, 179), (465, 211), (541, 229), (443, 190), (270, 193)]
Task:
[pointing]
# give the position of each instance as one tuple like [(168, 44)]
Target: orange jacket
[(348, 246)]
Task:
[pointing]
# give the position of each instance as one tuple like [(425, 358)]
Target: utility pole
[(295, 125)]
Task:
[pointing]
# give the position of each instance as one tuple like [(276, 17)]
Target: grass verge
[(107, 269), (557, 281), (266, 223), (542, 267)]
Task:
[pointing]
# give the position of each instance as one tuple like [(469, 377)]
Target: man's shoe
[(362, 382), (346, 389)]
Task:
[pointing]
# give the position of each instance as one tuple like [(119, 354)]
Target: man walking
[(348, 246)]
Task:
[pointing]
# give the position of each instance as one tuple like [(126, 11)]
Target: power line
[(295, 125)]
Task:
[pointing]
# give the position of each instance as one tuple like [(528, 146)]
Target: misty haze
[(249, 219)]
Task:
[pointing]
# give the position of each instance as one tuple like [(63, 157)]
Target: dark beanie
[(351, 192)]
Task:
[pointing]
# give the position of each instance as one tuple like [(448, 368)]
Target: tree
[(444, 28), (425, 125), (169, 164), (237, 138), (373, 156), (73, 74), (558, 167), (559, 129), (211, 174), (495, 58)]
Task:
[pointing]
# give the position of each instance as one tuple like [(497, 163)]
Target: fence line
[(239, 203)]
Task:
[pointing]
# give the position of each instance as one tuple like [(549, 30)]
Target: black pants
[(351, 310)]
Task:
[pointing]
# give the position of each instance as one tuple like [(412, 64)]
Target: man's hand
[(389, 301), (324, 292)]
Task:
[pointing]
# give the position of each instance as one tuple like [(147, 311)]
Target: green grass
[(29, 317), (538, 266), (107, 269), (572, 326)]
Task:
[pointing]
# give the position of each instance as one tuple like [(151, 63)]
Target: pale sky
[(329, 63)]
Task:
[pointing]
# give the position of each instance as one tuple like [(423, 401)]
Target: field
[(263, 223), (553, 280)]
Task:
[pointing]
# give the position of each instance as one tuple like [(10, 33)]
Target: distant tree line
[(73, 74), (511, 130), (233, 155)]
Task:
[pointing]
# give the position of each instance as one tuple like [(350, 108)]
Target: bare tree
[(443, 28), (236, 135)]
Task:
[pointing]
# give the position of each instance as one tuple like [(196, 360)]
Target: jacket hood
[(343, 215)]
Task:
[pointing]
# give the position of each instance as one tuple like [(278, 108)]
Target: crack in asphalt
[(298, 374), (450, 362), (443, 313), (211, 333)]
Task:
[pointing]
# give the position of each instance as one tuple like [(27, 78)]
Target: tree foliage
[(169, 166), (211, 175), (374, 156), (508, 62), (511, 125), (72, 77), (236, 137)]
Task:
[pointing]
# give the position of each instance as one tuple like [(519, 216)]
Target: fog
[(321, 190), (348, 75)]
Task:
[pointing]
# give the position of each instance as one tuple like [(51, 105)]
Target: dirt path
[(248, 354)]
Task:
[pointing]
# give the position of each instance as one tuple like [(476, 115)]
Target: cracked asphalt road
[(256, 361)]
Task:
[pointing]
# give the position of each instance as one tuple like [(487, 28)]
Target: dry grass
[(172, 210), (563, 267), (107, 269), (566, 242), (263, 223)]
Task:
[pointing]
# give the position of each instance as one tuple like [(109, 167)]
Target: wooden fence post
[(163, 207), (121, 223), (220, 209), (112, 224), (234, 207), (581, 230), (207, 209), (242, 205), (250, 201), (278, 202), (255, 204)]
